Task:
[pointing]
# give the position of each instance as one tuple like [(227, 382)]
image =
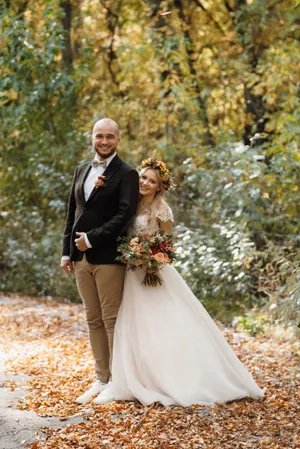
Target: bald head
[(105, 137), (107, 122)]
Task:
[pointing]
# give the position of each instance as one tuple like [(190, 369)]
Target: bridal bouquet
[(148, 252)]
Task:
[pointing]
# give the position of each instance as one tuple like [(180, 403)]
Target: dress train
[(168, 349)]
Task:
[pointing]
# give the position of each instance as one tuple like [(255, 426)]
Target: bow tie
[(96, 163)]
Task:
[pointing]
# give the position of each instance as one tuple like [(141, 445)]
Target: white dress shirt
[(93, 176), (88, 187)]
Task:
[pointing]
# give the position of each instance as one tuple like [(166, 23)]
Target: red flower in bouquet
[(155, 251)]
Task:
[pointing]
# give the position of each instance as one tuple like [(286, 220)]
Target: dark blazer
[(104, 216)]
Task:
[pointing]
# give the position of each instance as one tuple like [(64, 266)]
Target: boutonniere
[(100, 182)]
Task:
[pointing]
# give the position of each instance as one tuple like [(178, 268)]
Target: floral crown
[(164, 173)]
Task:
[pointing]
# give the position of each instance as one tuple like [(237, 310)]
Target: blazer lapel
[(84, 175), (108, 173)]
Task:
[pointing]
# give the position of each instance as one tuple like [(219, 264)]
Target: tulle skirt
[(168, 349)]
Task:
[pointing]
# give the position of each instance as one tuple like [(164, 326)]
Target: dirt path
[(18, 427)]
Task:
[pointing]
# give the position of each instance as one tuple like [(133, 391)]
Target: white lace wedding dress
[(167, 348)]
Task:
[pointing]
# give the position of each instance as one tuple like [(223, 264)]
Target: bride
[(167, 348)]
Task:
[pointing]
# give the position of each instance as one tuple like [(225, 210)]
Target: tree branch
[(228, 6), (22, 7), (198, 2)]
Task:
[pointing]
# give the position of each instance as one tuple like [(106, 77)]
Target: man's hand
[(80, 242), (67, 266)]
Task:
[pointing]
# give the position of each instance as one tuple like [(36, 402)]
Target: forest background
[(209, 86)]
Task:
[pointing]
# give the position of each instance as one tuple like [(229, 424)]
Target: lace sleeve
[(165, 213)]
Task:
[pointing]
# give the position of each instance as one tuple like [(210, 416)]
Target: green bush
[(238, 249)]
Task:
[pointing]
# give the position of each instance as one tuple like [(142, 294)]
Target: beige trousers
[(100, 288)]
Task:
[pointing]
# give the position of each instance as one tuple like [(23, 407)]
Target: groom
[(102, 201)]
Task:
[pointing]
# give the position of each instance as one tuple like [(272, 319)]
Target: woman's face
[(149, 183)]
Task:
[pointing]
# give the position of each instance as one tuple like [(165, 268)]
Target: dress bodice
[(148, 223)]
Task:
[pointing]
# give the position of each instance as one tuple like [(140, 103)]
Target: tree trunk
[(159, 26), (254, 104), (67, 54), (189, 48), (254, 107)]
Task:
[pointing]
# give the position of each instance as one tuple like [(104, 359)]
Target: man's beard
[(105, 155)]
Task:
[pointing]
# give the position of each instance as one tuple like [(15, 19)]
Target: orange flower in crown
[(153, 162)]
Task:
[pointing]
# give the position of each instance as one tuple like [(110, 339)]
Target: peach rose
[(134, 241), (167, 258), (159, 257)]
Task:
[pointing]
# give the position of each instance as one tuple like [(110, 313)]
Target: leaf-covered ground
[(48, 341)]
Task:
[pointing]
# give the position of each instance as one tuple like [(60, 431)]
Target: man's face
[(105, 139)]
